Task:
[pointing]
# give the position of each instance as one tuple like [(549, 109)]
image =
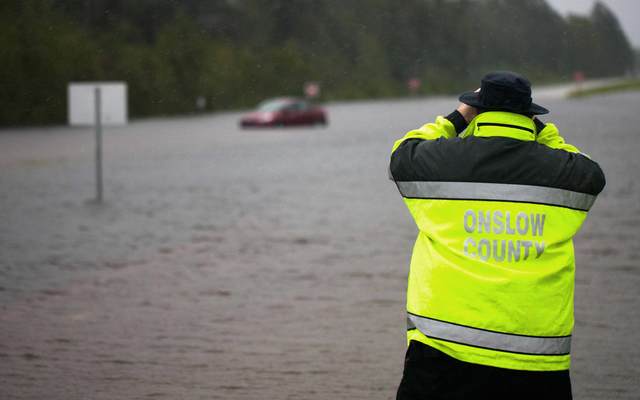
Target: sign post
[(98, 104), (578, 77), (98, 126)]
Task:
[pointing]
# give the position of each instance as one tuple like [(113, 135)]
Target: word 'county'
[(503, 223)]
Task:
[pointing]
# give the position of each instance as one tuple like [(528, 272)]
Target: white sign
[(82, 103)]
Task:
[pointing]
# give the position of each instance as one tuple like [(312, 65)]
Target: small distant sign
[(312, 90), (113, 103), (413, 85)]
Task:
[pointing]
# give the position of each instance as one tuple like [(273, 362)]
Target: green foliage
[(234, 53), (38, 58)]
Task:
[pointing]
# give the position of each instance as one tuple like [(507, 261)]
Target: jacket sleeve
[(550, 137), (442, 127)]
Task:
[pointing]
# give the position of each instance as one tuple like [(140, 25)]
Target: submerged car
[(285, 111)]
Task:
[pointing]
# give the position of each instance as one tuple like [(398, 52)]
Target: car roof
[(283, 100)]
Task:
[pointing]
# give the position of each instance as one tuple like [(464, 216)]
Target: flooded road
[(264, 264)]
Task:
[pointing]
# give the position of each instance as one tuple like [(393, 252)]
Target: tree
[(237, 52)]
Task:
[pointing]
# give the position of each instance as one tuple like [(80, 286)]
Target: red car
[(285, 111)]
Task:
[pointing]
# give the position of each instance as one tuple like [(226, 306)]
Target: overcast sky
[(627, 11)]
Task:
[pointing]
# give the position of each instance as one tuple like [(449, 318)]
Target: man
[(490, 292)]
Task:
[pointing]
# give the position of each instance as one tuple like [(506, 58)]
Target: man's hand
[(467, 111)]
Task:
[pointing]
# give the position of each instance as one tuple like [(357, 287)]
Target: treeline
[(233, 53)]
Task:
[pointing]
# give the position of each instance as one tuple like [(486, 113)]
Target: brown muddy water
[(264, 264)]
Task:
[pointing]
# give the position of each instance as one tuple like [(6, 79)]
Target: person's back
[(491, 280)]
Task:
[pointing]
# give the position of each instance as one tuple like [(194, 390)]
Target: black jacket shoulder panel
[(495, 160)]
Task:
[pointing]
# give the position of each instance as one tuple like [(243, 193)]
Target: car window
[(283, 105), (300, 106), (291, 107), (273, 105), (297, 106)]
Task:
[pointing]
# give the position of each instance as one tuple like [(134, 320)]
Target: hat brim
[(473, 99)]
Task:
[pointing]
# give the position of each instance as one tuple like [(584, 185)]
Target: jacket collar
[(503, 124)]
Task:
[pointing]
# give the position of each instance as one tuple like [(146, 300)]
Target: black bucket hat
[(504, 91)]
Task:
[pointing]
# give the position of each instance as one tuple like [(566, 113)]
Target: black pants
[(431, 374)]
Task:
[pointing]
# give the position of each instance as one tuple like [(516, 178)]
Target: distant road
[(561, 91)]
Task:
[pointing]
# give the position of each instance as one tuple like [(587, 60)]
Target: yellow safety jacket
[(492, 272)]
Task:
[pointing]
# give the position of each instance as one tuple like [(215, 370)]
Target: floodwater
[(264, 264)]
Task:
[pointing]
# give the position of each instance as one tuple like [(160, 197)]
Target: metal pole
[(98, 125)]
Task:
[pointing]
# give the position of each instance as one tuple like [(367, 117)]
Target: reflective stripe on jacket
[(492, 272)]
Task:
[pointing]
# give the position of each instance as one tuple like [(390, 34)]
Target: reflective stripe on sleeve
[(497, 192), (535, 345)]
